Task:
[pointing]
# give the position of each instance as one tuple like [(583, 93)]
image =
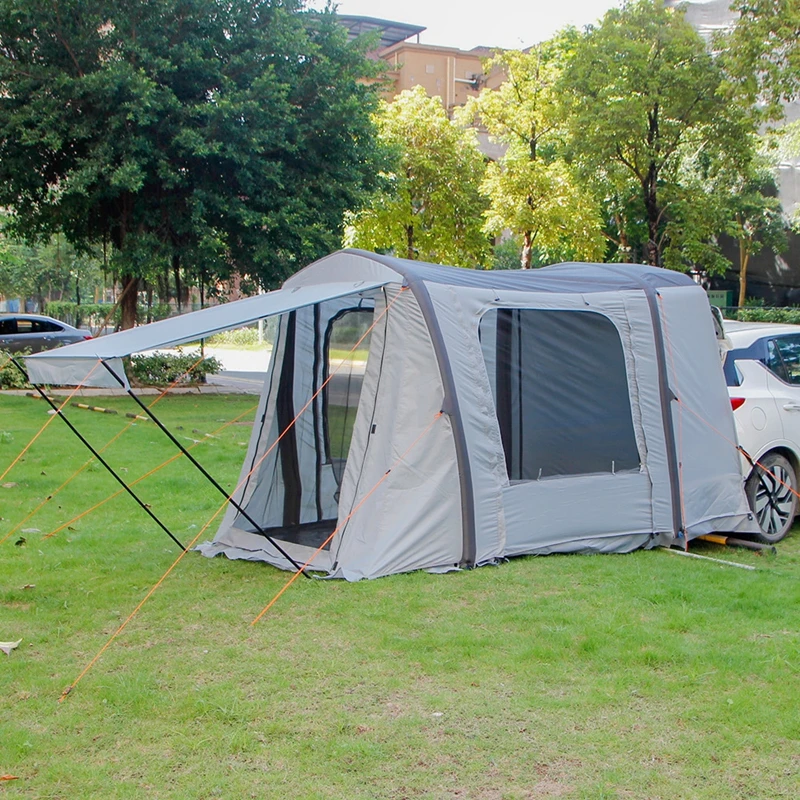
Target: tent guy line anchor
[(59, 413), (207, 475)]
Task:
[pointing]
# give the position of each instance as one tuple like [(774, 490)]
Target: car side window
[(44, 326), (8, 326), (24, 326), (732, 375), (783, 356)]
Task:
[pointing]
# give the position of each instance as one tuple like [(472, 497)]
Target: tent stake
[(707, 558), (210, 478), (99, 457)]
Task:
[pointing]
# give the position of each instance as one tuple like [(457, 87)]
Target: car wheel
[(771, 491)]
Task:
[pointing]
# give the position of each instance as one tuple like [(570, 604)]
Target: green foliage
[(533, 190), (51, 266), (507, 254), (83, 315), (162, 369), (240, 336), (93, 315), (10, 376), (646, 108), (246, 338), (230, 135), (762, 52), (429, 206), (756, 313)]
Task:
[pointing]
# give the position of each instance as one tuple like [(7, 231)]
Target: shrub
[(93, 315), (239, 337), (786, 316), (10, 376), (162, 369), (81, 316), (246, 337)]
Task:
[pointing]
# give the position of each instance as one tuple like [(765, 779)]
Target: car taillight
[(88, 336), (737, 402)]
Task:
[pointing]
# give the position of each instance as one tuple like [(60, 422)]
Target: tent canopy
[(76, 364)]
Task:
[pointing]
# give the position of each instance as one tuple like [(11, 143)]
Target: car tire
[(772, 493)]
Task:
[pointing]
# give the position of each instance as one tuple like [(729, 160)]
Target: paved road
[(244, 373)]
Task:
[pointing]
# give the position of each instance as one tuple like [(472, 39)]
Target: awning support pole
[(210, 478), (99, 457)]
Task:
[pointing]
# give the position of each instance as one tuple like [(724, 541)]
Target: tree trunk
[(744, 260), (410, 242), (623, 245), (649, 186), (130, 292), (527, 251), (176, 271), (162, 284)]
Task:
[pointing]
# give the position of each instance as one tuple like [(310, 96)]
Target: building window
[(560, 392)]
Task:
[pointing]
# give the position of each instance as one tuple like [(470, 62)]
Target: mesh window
[(560, 391), (341, 394)]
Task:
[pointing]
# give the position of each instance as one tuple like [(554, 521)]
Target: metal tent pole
[(99, 457), (204, 471)]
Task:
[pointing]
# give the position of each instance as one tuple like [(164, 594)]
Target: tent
[(421, 416)]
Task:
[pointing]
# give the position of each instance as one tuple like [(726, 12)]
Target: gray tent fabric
[(574, 408), (75, 364), (567, 395)]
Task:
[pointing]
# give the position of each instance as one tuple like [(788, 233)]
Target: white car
[(762, 370)]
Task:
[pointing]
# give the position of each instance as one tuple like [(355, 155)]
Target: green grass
[(347, 355), (638, 676)]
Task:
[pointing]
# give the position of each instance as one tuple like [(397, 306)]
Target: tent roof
[(578, 278), (339, 274), (561, 278)]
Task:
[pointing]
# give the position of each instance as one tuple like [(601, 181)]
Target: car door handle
[(792, 406)]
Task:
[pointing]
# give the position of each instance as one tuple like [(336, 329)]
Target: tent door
[(315, 387)]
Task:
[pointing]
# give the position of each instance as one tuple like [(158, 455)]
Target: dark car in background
[(34, 333)]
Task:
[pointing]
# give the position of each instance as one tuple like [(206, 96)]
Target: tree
[(755, 220), (646, 100), (762, 52), (48, 269), (532, 189), (181, 129), (430, 205)]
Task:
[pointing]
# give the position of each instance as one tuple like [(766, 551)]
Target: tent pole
[(210, 478), (99, 457)]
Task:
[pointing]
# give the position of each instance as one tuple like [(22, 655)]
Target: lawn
[(640, 676)]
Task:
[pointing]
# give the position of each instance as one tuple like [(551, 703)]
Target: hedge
[(162, 369), (786, 316)]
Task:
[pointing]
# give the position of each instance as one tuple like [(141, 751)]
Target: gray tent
[(575, 408)]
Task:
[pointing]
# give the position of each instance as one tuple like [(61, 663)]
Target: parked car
[(762, 370), (34, 332)]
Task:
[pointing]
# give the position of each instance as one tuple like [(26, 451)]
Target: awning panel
[(74, 364)]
